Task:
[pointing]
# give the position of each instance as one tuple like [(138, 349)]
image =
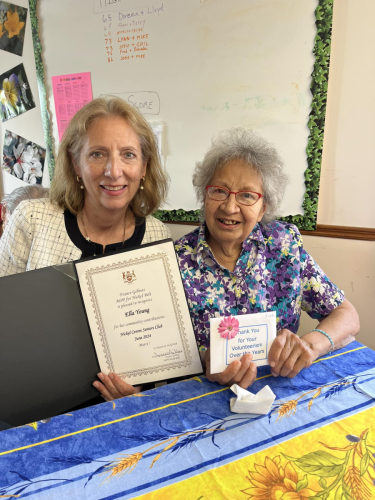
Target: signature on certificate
[(167, 353)]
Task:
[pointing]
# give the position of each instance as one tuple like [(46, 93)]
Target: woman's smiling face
[(229, 222), (110, 164)]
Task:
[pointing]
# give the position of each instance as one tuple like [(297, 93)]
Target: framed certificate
[(138, 315)]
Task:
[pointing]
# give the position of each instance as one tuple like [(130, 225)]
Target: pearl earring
[(80, 181)]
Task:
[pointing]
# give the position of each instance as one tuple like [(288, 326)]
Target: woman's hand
[(242, 372), (113, 387), (289, 354)]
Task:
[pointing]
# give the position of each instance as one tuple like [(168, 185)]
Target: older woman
[(242, 261), (108, 180), (11, 201)]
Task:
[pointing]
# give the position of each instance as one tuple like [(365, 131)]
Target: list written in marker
[(126, 34)]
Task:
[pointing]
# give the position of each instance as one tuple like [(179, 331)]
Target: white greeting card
[(231, 337)]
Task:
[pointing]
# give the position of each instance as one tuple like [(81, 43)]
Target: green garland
[(41, 87), (319, 86)]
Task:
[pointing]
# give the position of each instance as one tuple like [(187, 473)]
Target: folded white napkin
[(246, 402)]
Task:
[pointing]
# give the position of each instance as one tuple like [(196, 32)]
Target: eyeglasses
[(247, 198)]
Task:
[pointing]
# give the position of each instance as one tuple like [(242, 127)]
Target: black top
[(89, 248)]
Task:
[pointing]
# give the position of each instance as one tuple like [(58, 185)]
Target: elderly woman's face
[(228, 221), (110, 164)]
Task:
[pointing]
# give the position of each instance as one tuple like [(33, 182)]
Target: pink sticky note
[(71, 93)]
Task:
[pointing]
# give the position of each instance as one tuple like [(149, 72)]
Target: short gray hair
[(238, 143), (13, 199)]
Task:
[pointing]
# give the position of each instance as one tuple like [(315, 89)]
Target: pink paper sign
[(71, 93)]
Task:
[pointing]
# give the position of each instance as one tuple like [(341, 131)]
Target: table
[(181, 441)]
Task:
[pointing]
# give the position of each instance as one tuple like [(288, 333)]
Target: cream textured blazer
[(36, 237)]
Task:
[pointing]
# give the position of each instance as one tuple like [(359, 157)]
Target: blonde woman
[(108, 181)]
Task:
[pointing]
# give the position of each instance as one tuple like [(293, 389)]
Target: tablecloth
[(181, 441)]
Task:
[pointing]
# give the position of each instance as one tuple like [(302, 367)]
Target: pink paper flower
[(228, 327)]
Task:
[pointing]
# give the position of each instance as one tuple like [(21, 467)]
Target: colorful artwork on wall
[(15, 94), (23, 158), (12, 27)]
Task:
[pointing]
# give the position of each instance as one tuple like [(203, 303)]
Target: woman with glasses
[(242, 261)]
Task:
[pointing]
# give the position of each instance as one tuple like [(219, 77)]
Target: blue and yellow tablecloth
[(181, 441)]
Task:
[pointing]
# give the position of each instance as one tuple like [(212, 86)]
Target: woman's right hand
[(113, 387), (241, 372)]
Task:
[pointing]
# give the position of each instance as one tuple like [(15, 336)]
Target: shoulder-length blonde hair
[(65, 190)]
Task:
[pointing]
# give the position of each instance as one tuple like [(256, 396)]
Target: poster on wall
[(15, 94), (23, 158), (12, 27), (71, 93)]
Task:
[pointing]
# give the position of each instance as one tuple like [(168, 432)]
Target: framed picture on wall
[(12, 27), (23, 158), (15, 94)]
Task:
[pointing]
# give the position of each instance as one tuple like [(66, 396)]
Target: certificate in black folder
[(123, 312)]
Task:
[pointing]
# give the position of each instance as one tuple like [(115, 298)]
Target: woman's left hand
[(289, 354), (113, 387)]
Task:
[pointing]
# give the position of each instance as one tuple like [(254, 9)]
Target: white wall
[(348, 173), (350, 264), (348, 167)]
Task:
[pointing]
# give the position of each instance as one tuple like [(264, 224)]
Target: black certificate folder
[(47, 359), (61, 325)]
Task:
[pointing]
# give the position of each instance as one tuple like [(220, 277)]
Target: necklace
[(87, 236)]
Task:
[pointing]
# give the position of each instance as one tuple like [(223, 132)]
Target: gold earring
[(141, 185), (80, 181)]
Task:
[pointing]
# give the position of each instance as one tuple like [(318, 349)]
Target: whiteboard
[(196, 67)]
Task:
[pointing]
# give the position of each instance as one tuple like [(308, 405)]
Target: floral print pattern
[(23, 159), (12, 27), (273, 273), (15, 94), (272, 481)]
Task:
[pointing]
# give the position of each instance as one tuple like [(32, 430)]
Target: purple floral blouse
[(273, 273)]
